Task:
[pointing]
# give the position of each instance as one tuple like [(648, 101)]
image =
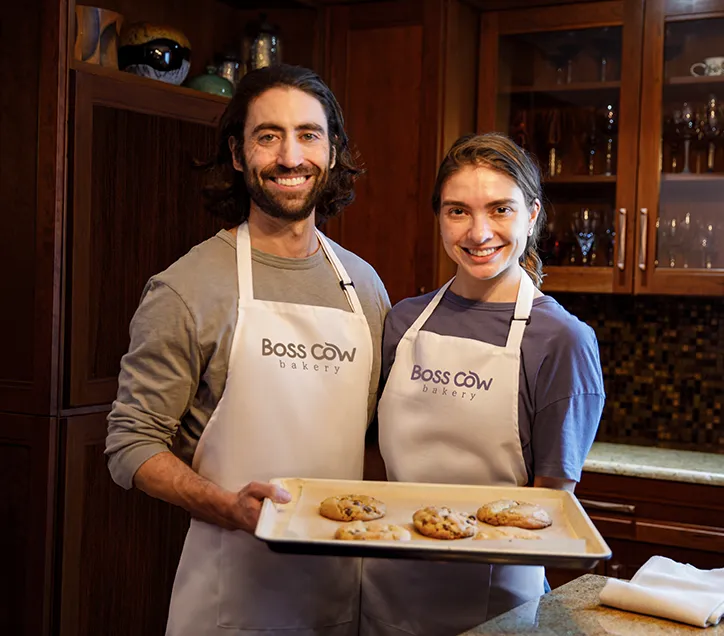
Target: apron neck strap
[(427, 312), (345, 282), (521, 315), (245, 281)]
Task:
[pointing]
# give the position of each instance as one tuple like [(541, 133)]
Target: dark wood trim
[(574, 16), (40, 396), (337, 26), (89, 90), (488, 62), (578, 279), (650, 140), (374, 15), (431, 129), (38, 436), (628, 138), (683, 282)]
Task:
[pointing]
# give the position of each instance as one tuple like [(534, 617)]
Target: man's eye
[(456, 211), (309, 136), (266, 138), (502, 210)]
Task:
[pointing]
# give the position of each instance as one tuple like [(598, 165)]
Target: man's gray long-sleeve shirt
[(175, 370)]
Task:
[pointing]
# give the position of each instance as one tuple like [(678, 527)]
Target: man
[(256, 355)]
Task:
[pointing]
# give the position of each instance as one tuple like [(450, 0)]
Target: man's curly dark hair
[(226, 195)]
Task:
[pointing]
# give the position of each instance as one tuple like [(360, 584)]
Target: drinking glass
[(584, 226)]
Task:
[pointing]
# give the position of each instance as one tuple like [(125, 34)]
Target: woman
[(488, 382)]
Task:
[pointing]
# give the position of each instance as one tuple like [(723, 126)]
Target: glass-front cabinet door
[(680, 215), (564, 84)]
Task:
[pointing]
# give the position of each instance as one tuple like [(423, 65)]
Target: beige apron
[(294, 405), (449, 413)]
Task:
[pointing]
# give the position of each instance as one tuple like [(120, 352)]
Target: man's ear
[(234, 147), (334, 157)]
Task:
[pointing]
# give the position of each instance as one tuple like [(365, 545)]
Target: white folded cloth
[(668, 589)]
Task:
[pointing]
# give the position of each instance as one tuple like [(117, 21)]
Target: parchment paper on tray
[(570, 541)]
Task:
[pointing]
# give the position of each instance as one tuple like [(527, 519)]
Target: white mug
[(710, 66)]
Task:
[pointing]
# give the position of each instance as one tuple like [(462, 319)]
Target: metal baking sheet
[(571, 541)]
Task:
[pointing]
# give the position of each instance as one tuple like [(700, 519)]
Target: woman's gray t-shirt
[(561, 394)]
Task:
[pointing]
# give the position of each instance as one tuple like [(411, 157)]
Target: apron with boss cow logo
[(449, 414), (294, 405)]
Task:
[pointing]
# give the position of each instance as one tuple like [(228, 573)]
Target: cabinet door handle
[(644, 233), (615, 570), (621, 238), (608, 506)]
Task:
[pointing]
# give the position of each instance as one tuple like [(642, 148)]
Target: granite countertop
[(656, 463), (574, 609)]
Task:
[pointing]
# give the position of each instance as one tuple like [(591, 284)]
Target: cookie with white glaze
[(441, 522)]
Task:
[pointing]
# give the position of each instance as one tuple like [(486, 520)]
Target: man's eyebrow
[(278, 128), (499, 202)]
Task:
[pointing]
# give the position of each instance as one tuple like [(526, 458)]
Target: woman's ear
[(235, 149), (534, 212)]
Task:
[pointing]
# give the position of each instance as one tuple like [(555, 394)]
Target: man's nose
[(290, 154)]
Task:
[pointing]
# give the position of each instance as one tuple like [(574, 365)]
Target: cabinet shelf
[(126, 90), (581, 178), (690, 176), (574, 87), (696, 80)]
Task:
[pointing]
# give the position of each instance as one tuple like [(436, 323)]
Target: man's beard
[(277, 205)]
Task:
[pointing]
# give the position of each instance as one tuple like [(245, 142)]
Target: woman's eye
[(456, 211), (502, 210)]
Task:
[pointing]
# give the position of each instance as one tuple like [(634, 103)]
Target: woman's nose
[(481, 230)]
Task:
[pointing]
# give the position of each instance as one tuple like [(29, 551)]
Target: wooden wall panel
[(385, 64), (120, 548), (383, 114), (27, 470), (130, 219), (32, 112)]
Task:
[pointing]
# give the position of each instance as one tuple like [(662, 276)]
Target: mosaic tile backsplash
[(663, 367)]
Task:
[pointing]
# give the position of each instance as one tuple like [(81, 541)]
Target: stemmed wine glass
[(584, 225), (711, 129), (590, 140), (553, 128), (685, 123), (564, 49), (706, 240), (609, 126), (607, 46)]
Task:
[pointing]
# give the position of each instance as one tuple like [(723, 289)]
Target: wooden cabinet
[(680, 191), (564, 82), (27, 509), (98, 193), (131, 218), (404, 74), (120, 549), (603, 93), (640, 518)]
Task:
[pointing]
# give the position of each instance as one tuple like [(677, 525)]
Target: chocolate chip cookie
[(504, 532), (508, 512), (372, 531), (352, 508), (441, 522)]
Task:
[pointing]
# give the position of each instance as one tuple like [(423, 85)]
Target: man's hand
[(244, 512), (166, 477)]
